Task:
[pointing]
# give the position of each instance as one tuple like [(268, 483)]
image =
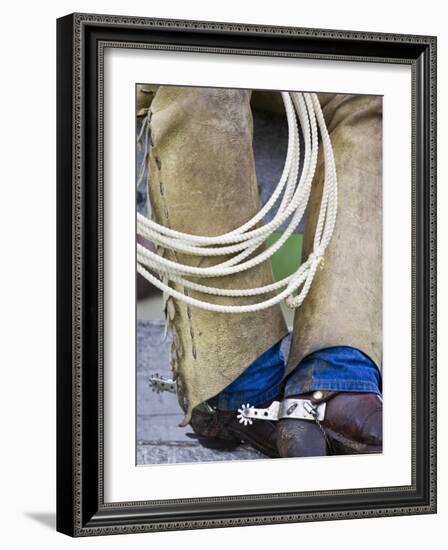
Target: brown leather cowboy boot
[(223, 430), (353, 422), (352, 425), (344, 305)]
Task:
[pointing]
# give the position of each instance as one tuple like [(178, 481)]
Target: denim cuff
[(340, 368), (226, 401), (260, 382)]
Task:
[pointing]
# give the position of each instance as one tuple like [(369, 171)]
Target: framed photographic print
[(246, 274)]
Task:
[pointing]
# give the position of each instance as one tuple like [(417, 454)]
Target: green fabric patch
[(286, 260)]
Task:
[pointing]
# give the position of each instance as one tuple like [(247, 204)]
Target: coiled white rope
[(244, 241)]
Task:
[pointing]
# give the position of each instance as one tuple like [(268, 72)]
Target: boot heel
[(211, 433)]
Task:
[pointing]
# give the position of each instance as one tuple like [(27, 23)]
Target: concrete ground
[(159, 438)]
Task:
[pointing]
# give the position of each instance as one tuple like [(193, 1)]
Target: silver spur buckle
[(302, 409)]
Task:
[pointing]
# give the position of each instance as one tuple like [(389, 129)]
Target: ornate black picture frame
[(81, 509)]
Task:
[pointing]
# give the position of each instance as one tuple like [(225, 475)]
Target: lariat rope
[(244, 241)]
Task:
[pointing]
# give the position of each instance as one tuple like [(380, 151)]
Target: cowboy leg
[(336, 346), (202, 181)]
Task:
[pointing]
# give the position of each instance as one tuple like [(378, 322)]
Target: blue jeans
[(259, 383), (340, 368)]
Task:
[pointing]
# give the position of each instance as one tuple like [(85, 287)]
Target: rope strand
[(244, 241)]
